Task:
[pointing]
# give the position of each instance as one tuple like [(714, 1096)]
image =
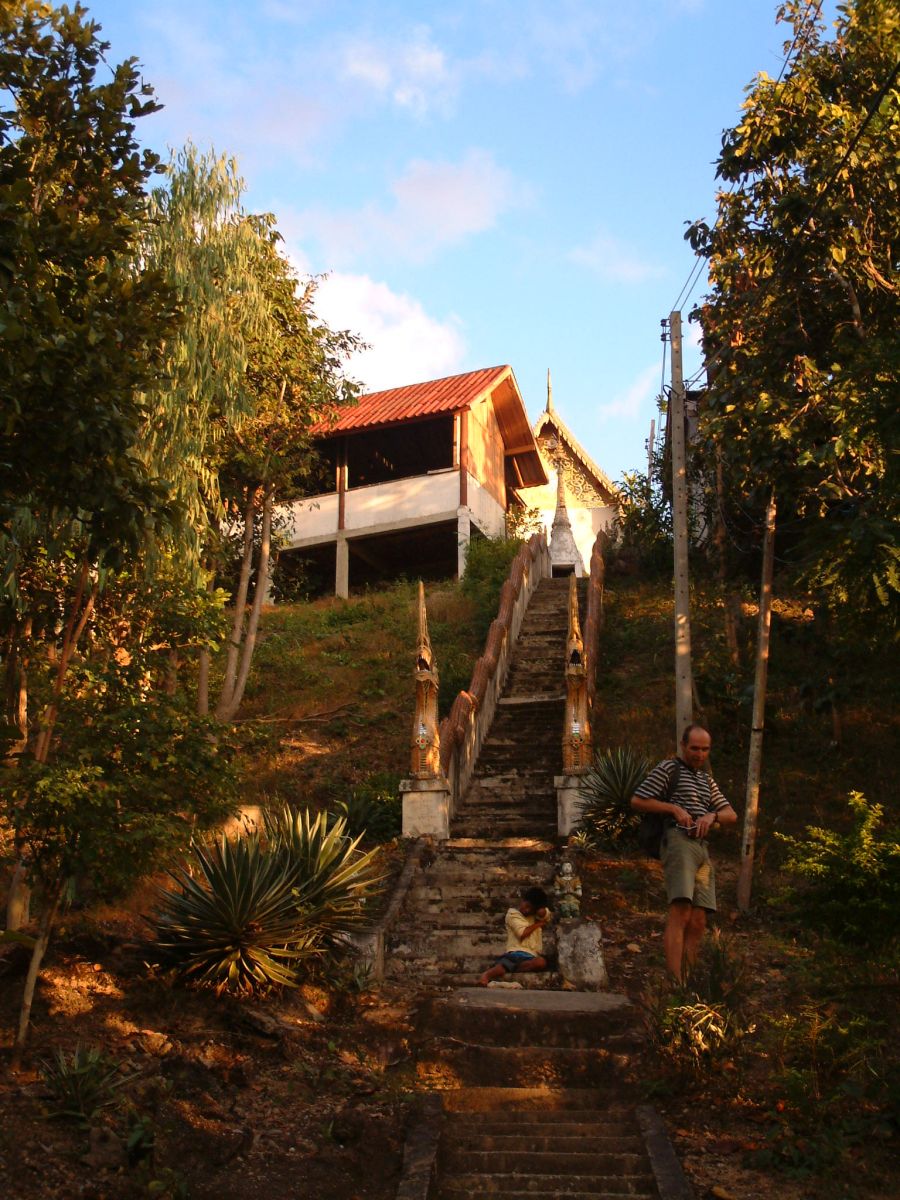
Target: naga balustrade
[(441, 770), (577, 744), (581, 689)]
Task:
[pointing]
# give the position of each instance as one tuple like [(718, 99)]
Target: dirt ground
[(218, 1098), (310, 1093)]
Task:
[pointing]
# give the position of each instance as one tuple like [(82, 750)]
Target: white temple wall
[(586, 524)]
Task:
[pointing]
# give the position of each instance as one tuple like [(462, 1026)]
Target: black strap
[(674, 780)]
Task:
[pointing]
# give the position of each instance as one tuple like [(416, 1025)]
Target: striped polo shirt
[(697, 792)]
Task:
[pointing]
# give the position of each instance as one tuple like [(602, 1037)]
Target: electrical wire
[(794, 243), (693, 275)]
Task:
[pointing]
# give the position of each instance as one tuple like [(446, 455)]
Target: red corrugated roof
[(450, 394)]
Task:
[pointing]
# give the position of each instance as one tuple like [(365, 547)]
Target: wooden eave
[(599, 475)]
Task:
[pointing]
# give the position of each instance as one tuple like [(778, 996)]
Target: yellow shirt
[(515, 923)]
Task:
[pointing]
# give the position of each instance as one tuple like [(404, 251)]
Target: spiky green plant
[(606, 792), (334, 878), (81, 1083), (236, 925), (260, 908), (374, 812)]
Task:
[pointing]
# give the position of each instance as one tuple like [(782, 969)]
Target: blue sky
[(487, 182)]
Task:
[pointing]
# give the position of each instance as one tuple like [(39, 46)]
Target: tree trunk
[(728, 597), (203, 684), (754, 764), (233, 653), (74, 629), (18, 901), (227, 712), (172, 665), (37, 957)]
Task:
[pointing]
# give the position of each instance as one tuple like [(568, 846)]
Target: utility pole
[(651, 445), (684, 700)]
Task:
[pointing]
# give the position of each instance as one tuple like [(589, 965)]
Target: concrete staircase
[(503, 836), (518, 1148), (534, 1085), (535, 1097)]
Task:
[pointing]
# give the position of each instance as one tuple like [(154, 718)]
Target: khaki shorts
[(688, 872)]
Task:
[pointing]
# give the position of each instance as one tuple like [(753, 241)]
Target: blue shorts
[(513, 959)]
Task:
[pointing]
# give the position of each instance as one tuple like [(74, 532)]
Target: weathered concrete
[(543, 1001), (426, 808), (579, 949), (568, 803)]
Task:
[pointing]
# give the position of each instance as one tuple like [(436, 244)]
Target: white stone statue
[(567, 888)]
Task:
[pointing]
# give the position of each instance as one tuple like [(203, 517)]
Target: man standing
[(686, 795)]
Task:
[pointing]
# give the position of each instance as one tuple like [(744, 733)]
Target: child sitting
[(524, 942)]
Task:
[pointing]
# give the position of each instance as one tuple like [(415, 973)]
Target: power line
[(794, 242), (803, 24)]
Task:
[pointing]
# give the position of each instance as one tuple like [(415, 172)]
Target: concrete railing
[(581, 688), (594, 619), (429, 804)]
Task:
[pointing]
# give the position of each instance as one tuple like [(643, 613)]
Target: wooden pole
[(684, 708), (754, 762)]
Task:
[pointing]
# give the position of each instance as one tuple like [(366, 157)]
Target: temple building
[(578, 499), (411, 475)]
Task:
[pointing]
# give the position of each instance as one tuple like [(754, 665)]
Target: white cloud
[(406, 343), (435, 205), (613, 261), (414, 73), (628, 404)]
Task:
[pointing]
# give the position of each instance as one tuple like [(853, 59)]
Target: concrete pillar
[(568, 803), (342, 568), (426, 808), (463, 536)]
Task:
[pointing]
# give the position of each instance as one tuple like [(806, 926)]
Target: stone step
[(493, 826), (533, 1194), (448, 943), (523, 1066), (552, 1103), (512, 1186), (561, 1161), (478, 873), (508, 1017), (538, 1134), (504, 811), (459, 973)]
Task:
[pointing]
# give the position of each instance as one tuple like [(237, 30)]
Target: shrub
[(236, 925), (373, 811), (334, 879), (851, 881), (606, 814), (260, 909), (693, 1024), (488, 564), (81, 1083)]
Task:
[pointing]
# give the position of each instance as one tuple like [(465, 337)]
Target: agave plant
[(259, 908), (606, 792), (333, 877), (236, 924), (81, 1083), (373, 810)]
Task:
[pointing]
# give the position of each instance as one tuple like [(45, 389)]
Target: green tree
[(79, 326), (800, 327), (248, 372), (296, 377)]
